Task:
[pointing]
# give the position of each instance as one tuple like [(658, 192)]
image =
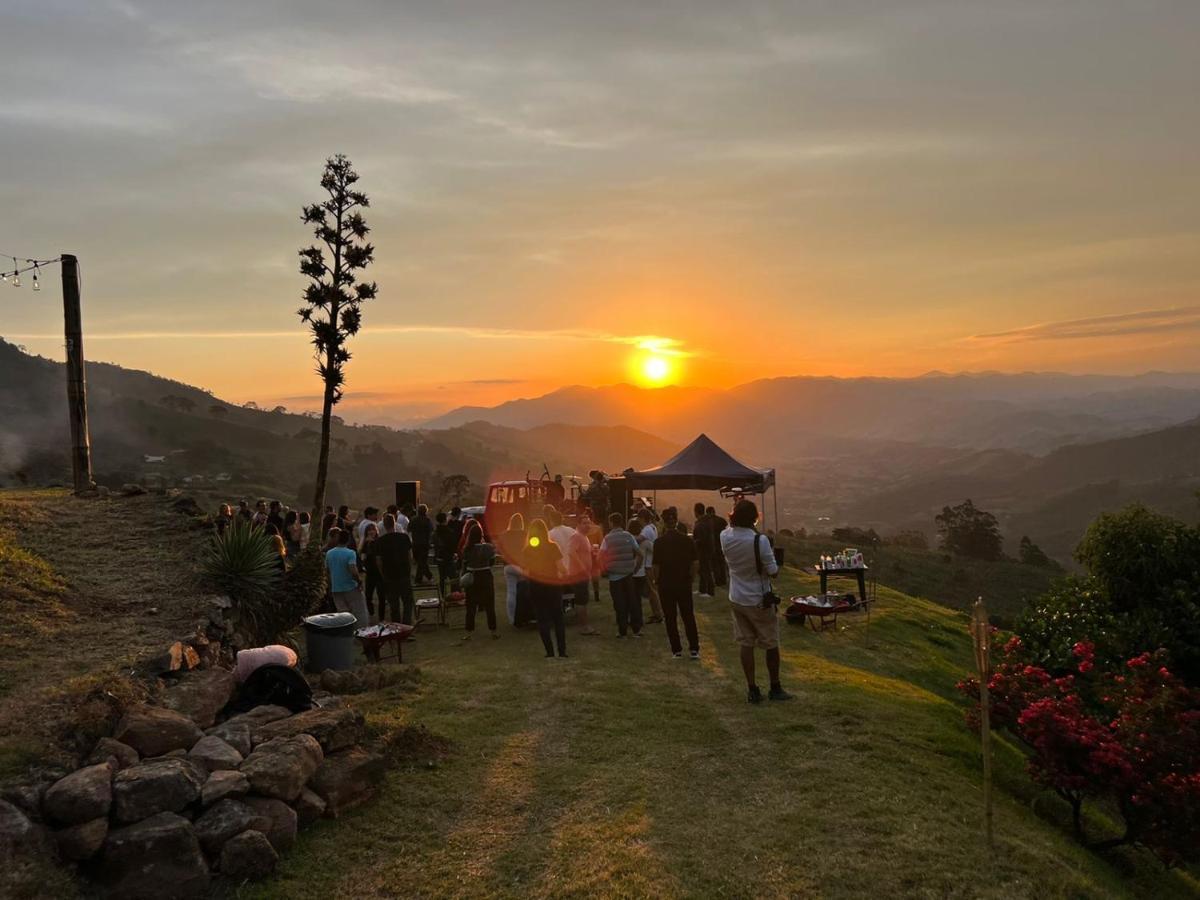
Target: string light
[(31, 265)]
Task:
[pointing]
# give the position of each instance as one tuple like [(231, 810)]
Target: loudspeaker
[(408, 493)]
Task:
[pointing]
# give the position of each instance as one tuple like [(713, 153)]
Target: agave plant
[(243, 561)]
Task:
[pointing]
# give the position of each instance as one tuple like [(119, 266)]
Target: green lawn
[(622, 772)]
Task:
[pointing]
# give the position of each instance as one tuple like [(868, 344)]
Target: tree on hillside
[(333, 301), (454, 488), (218, 410), (966, 530), (180, 404), (1031, 554)]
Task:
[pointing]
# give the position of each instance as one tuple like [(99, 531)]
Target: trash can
[(330, 641)]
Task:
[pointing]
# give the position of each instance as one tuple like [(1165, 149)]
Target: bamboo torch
[(981, 634)]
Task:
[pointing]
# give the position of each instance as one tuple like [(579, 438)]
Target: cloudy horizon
[(764, 189)]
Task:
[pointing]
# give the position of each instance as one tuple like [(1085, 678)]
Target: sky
[(559, 189)]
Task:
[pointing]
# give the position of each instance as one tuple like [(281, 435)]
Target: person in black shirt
[(420, 530), (719, 524), (392, 554), (702, 535), (445, 543), (478, 557), (542, 562), (275, 515), (675, 564)]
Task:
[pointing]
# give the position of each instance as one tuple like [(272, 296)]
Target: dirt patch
[(412, 745), (88, 587)]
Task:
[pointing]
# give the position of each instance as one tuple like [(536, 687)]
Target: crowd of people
[(375, 560)]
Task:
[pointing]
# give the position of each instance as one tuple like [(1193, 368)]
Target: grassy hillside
[(952, 581), (617, 772), (622, 772), (228, 451)]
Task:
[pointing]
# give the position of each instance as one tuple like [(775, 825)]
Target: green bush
[(1142, 594), (242, 562), (1075, 609)]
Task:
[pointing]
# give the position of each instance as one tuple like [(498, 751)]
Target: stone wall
[(183, 792)]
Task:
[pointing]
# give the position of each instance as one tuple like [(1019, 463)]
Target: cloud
[(650, 343), (1146, 321)]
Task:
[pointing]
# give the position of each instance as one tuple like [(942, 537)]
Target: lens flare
[(534, 541)]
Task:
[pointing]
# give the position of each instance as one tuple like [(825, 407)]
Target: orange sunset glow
[(840, 198)]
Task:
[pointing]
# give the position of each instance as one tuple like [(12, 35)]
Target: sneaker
[(676, 656), (619, 635), (695, 654), (654, 620), (778, 693), (637, 634), (467, 636), (754, 695)]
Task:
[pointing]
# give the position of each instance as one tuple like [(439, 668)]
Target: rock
[(334, 729), (159, 857), (82, 841), (214, 754), (107, 748), (236, 735), (155, 786), (201, 695), (80, 797), (280, 767), (284, 821), (249, 855), (222, 784), (257, 717), (347, 777), (223, 820), (342, 682), (153, 731), (309, 807), (18, 834), (27, 797), (132, 490)]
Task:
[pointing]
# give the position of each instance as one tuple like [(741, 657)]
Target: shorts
[(581, 592), (754, 626)]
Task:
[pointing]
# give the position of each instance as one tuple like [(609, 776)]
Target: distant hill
[(1052, 498), (148, 428), (787, 416)]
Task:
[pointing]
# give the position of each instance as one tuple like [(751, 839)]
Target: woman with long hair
[(369, 566), (291, 533), (512, 548), (328, 523), (477, 558), (543, 566)]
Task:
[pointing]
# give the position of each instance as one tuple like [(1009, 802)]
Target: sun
[(656, 369)]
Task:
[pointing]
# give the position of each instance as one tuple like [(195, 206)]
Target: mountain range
[(1044, 452)]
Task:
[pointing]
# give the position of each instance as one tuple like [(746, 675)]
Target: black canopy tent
[(703, 465)]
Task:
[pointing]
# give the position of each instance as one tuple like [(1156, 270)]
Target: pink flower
[(1086, 666)]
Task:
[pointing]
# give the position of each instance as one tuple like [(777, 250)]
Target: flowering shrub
[(1127, 733)]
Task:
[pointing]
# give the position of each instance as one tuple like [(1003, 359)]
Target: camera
[(769, 599)]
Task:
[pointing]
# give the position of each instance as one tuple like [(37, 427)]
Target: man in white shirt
[(646, 541), (755, 623), (401, 519)]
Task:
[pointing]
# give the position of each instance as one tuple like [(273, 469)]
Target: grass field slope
[(623, 772)]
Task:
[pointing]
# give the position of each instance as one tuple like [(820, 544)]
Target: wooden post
[(982, 636), (81, 443)]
